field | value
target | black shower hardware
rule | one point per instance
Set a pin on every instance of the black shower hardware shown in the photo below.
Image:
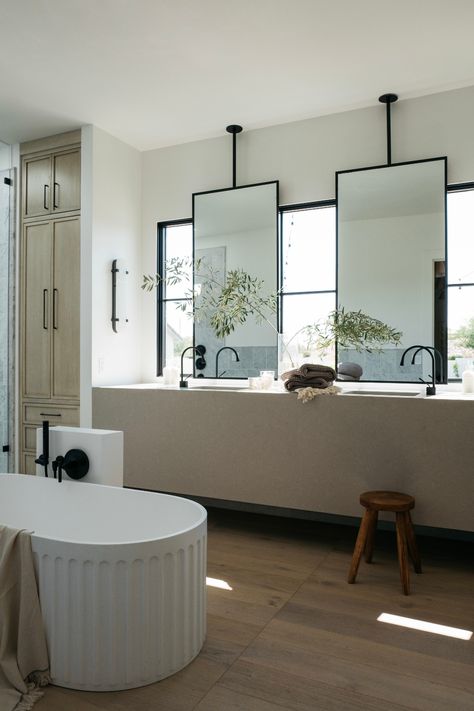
(43, 459)
(75, 463)
(196, 349)
(234, 129)
(200, 362)
(430, 389)
(114, 318)
(225, 348)
(388, 100)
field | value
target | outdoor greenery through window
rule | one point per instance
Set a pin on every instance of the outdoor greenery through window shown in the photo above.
(307, 288)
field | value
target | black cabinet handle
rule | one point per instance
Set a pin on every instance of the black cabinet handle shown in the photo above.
(55, 204)
(50, 414)
(45, 205)
(45, 323)
(55, 309)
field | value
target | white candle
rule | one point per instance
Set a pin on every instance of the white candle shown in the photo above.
(267, 377)
(468, 381)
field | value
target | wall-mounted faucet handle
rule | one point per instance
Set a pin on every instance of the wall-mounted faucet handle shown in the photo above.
(75, 463)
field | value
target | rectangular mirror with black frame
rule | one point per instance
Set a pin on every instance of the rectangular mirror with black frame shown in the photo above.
(391, 262)
(236, 228)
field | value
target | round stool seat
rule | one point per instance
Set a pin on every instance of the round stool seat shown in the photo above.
(387, 501)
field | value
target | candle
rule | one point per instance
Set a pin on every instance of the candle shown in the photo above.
(267, 377)
(468, 381)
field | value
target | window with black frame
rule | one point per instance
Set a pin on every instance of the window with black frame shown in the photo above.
(175, 325)
(460, 279)
(308, 280)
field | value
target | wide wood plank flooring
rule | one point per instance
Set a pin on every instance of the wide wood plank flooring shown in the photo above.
(292, 634)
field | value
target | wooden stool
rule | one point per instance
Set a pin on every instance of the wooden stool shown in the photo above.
(400, 504)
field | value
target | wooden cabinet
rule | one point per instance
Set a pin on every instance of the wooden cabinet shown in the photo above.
(51, 288)
(52, 184)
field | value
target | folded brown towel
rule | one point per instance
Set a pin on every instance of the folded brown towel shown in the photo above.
(309, 372)
(296, 382)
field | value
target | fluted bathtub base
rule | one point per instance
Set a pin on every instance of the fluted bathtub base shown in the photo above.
(122, 616)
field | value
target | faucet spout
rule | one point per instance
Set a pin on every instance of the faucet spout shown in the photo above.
(430, 389)
(225, 348)
(199, 350)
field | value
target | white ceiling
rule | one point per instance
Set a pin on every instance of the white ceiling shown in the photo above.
(161, 72)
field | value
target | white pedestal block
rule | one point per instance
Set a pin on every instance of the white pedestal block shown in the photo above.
(103, 447)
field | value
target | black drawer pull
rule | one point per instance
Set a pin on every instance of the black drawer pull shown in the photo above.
(50, 414)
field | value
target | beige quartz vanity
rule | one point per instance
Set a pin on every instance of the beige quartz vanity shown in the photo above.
(268, 448)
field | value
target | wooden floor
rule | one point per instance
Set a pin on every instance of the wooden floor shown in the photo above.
(292, 634)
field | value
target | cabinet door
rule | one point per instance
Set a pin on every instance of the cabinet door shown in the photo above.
(37, 193)
(67, 181)
(37, 310)
(28, 465)
(66, 308)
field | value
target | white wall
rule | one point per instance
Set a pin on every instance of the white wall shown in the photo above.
(5, 156)
(111, 224)
(304, 156)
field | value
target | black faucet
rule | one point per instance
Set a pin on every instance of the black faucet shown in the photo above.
(440, 368)
(196, 349)
(43, 458)
(225, 348)
(75, 463)
(430, 389)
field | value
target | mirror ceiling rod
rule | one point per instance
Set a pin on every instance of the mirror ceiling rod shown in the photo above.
(388, 99)
(234, 129)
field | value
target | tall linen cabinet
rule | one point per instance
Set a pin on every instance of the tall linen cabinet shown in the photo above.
(49, 288)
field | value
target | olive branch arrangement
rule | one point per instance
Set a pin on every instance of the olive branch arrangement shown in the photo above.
(227, 302)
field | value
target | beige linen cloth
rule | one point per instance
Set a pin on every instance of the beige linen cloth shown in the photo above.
(24, 664)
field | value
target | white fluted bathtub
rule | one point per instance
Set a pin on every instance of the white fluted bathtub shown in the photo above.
(121, 576)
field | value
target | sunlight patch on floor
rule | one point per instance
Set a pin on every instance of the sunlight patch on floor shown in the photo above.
(425, 626)
(216, 583)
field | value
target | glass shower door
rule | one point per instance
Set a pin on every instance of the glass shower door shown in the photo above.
(5, 325)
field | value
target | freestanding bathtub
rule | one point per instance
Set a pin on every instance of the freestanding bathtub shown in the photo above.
(121, 576)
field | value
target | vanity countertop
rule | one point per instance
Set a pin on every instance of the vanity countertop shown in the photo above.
(407, 391)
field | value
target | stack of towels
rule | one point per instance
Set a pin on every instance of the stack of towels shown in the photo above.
(309, 376)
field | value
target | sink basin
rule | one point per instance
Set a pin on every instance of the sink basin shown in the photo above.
(385, 393)
(225, 388)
